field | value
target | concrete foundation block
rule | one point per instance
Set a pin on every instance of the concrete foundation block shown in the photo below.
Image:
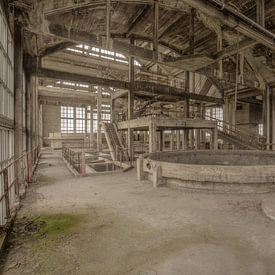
(140, 170)
(157, 176)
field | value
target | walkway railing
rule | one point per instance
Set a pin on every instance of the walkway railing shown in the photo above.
(75, 159)
(13, 174)
(245, 136)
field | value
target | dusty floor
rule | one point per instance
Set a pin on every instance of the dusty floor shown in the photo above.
(116, 225)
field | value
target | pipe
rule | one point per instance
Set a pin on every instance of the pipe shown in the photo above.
(240, 17)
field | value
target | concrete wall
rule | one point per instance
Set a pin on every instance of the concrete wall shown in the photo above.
(51, 121)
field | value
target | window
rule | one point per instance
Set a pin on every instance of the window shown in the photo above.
(215, 113)
(67, 119)
(73, 120)
(6, 69)
(80, 120)
(70, 85)
(101, 53)
(261, 129)
(6, 89)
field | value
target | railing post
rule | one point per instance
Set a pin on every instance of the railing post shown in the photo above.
(82, 163)
(6, 192)
(29, 165)
(116, 157)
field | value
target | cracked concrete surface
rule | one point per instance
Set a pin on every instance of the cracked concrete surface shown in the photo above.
(128, 227)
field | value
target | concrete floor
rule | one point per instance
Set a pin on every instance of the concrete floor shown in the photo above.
(126, 227)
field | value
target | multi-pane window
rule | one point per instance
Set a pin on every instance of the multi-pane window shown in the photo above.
(6, 69)
(71, 85)
(215, 113)
(80, 120)
(6, 87)
(100, 53)
(95, 122)
(89, 120)
(105, 117)
(67, 119)
(73, 118)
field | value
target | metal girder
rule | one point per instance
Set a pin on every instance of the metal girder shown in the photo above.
(230, 17)
(64, 94)
(149, 87)
(214, 8)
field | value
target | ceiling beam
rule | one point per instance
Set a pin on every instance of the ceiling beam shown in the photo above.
(53, 49)
(213, 8)
(149, 87)
(75, 36)
(138, 18)
(231, 50)
(227, 15)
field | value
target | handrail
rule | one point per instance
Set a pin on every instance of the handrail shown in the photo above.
(13, 174)
(245, 136)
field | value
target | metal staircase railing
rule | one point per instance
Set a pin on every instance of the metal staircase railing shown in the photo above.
(118, 152)
(245, 138)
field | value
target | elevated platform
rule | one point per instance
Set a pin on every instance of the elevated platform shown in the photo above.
(154, 124)
(165, 123)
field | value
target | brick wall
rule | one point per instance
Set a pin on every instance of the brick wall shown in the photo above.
(51, 121)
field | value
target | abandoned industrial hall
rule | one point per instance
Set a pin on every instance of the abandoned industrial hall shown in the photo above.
(137, 137)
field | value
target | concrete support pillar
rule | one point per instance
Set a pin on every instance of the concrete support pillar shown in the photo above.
(197, 139)
(184, 144)
(99, 112)
(178, 139)
(192, 138)
(161, 140)
(219, 48)
(152, 138)
(172, 140)
(130, 111)
(215, 138)
(145, 136)
(82, 163)
(18, 99)
(32, 113)
(266, 116)
(232, 113)
(91, 126)
(74, 119)
(113, 110)
(226, 112)
(40, 125)
(273, 118)
(156, 27)
(186, 109)
(140, 170)
(28, 113)
(108, 23)
(86, 124)
(37, 115)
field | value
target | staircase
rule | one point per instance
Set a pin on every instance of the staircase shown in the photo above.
(117, 151)
(242, 139)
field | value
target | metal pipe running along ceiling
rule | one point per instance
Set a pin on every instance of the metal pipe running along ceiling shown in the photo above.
(253, 29)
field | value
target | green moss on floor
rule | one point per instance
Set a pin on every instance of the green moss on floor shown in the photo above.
(49, 233)
(52, 225)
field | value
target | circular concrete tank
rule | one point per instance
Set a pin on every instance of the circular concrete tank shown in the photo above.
(222, 170)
